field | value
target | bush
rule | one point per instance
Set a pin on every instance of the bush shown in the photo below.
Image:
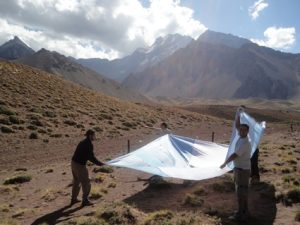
(86, 220)
(70, 122)
(31, 127)
(95, 193)
(105, 116)
(297, 217)
(6, 130)
(49, 114)
(159, 217)
(9, 222)
(98, 129)
(99, 178)
(128, 124)
(37, 123)
(56, 135)
(6, 111)
(294, 195)
(5, 121)
(14, 120)
(103, 169)
(33, 135)
(193, 200)
(17, 179)
(112, 185)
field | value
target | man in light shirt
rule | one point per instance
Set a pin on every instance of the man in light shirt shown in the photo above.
(241, 160)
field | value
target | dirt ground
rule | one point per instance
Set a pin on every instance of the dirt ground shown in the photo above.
(45, 199)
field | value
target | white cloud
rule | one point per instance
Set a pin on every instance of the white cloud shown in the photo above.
(95, 28)
(278, 38)
(256, 8)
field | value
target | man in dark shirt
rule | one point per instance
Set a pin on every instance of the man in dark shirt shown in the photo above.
(255, 178)
(82, 154)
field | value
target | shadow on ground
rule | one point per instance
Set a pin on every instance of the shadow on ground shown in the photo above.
(60, 215)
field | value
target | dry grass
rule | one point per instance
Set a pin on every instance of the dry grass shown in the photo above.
(18, 179)
(71, 107)
(7, 221)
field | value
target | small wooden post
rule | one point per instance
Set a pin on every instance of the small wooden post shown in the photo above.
(128, 146)
(213, 137)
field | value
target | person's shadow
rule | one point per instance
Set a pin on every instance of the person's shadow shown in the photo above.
(57, 216)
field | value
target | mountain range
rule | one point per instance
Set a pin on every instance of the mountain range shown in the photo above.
(55, 63)
(219, 65)
(216, 65)
(140, 59)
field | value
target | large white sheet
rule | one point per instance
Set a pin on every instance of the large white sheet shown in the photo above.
(185, 158)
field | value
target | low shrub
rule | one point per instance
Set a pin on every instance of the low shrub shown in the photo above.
(37, 123)
(103, 169)
(5, 121)
(294, 195)
(56, 135)
(159, 217)
(6, 130)
(6, 111)
(18, 179)
(70, 122)
(95, 193)
(193, 200)
(49, 114)
(33, 135)
(15, 120)
(32, 127)
(297, 217)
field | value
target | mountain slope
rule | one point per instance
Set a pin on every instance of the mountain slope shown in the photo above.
(140, 59)
(230, 68)
(35, 101)
(14, 49)
(60, 65)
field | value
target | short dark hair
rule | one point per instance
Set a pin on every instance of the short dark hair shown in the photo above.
(163, 124)
(89, 132)
(245, 125)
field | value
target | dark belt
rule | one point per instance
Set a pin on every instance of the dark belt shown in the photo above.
(236, 168)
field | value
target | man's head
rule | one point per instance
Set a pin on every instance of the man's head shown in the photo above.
(243, 131)
(163, 126)
(90, 134)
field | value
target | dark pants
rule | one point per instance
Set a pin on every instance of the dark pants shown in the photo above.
(254, 165)
(80, 177)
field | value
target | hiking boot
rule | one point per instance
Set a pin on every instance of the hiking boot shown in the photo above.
(74, 201)
(86, 203)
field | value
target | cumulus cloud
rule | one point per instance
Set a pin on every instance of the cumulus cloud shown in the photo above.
(91, 28)
(279, 38)
(257, 7)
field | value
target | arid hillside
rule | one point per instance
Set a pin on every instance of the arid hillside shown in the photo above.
(43, 117)
(41, 108)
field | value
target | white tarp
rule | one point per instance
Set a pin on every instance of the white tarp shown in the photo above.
(183, 157)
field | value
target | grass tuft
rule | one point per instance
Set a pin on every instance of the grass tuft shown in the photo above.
(18, 179)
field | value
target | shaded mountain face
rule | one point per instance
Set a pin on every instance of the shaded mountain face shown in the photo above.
(221, 66)
(140, 59)
(14, 49)
(55, 63)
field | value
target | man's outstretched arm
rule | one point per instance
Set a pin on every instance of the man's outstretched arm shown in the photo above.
(230, 158)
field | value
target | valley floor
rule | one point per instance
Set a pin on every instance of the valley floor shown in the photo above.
(120, 199)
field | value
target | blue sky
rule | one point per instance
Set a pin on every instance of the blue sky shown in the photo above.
(115, 28)
(232, 16)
